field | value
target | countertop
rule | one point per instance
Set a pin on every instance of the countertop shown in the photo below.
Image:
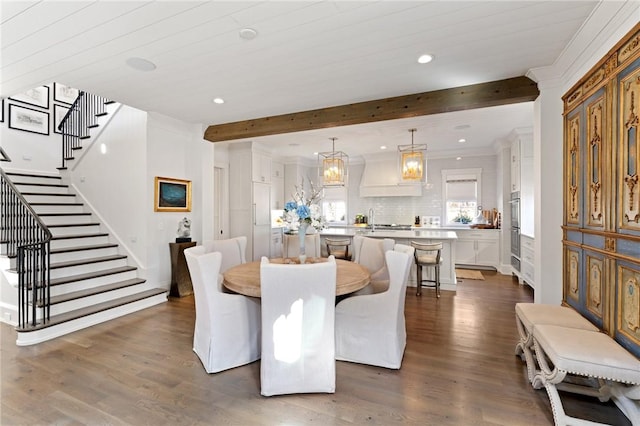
(429, 234)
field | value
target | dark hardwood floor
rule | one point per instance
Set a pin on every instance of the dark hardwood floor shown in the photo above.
(459, 369)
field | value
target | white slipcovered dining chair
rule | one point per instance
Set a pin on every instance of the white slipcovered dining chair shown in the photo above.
(233, 251)
(291, 245)
(227, 328)
(369, 252)
(298, 346)
(371, 329)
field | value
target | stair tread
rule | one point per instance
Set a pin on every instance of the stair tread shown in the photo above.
(56, 204)
(89, 275)
(64, 214)
(48, 194)
(52, 185)
(33, 175)
(83, 248)
(71, 225)
(94, 309)
(89, 261)
(69, 237)
(94, 290)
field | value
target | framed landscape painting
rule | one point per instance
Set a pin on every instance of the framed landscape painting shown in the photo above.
(172, 195)
(37, 97)
(28, 120)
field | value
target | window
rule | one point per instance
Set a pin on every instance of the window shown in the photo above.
(334, 205)
(461, 191)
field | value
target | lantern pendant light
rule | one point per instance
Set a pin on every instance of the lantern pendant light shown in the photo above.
(333, 166)
(412, 161)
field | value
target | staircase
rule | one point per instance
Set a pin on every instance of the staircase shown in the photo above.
(89, 280)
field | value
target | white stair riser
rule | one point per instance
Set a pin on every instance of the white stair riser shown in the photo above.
(49, 333)
(85, 269)
(58, 209)
(61, 220)
(50, 199)
(43, 189)
(57, 290)
(74, 230)
(83, 254)
(61, 308)
(76, 242)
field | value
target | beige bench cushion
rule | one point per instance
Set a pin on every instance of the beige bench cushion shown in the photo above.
(535, 313)
(587, 353)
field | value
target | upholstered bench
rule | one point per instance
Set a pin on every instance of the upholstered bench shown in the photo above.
(613, 372)
(529, 315)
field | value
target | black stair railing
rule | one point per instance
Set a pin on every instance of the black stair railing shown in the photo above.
(26, 237)
(75, 125)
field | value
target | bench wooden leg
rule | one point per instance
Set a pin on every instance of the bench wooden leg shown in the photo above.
(524, 349)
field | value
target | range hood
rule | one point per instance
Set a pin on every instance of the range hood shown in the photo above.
(381, 178)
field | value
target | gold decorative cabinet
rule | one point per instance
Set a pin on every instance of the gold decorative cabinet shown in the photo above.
(601, 237)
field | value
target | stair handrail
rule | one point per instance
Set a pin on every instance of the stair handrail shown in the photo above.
(27, 237)
(76, 123)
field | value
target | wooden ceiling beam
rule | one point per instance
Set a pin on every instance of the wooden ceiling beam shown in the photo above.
(502, 92)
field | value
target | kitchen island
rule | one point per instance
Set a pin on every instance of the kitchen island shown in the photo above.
(446, 237)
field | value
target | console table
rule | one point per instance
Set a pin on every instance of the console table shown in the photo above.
(180, 278)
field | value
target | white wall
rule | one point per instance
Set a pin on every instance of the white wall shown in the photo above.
(402, 210)
(176, 150)
(31, 151)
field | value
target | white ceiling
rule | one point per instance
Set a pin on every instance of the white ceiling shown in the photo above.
(306, 55)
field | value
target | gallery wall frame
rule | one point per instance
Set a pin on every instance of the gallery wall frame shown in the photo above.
(28, 119)
(64, 94)
(172, 195)
(59, 111)
(38, 96)
(1, 110)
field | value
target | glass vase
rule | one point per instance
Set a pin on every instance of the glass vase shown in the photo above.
(302, 232)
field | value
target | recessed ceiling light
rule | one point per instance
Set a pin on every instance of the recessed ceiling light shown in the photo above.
(141, 64)
(218, 100)
(425, 59)
(248, 33)
(462, 140)
(315, 153)
(458, 158)
(383, 147)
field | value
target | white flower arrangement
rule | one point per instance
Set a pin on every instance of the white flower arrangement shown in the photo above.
(303, 209)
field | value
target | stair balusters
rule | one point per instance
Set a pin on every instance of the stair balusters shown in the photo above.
(24, 236)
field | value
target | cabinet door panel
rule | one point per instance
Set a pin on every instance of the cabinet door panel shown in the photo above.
(487, 252)
(465, 252)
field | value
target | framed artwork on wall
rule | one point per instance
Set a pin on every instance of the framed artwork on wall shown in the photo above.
(37, 97)
(172, 195)
(28, 120)
(1, 110)
(59, 111)
(64, 94)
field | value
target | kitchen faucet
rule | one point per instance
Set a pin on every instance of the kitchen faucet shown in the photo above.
(372, 220)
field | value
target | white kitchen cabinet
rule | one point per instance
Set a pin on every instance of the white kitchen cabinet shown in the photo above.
(261, 167)
(249, 201)
(515, 165)
(478, 247)
(277, 186)
(527, 260)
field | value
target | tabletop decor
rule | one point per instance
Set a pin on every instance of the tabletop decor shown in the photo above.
(303, 211)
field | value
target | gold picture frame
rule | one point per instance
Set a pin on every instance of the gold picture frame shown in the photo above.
(172, 195)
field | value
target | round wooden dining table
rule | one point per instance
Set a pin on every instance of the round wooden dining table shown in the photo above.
(245, 278)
